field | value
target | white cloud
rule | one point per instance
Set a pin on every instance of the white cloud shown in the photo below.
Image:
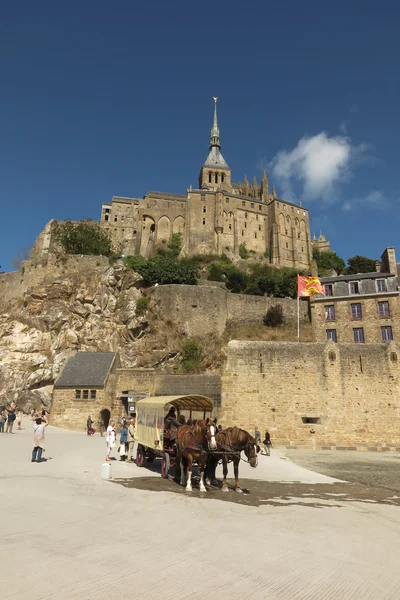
(318, 164)
(375, 200)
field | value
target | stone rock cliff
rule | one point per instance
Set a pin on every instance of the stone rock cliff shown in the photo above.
(69, 312)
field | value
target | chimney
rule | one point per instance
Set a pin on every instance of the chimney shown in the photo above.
(389, 261)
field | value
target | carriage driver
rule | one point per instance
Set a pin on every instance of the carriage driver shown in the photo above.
(170, 419)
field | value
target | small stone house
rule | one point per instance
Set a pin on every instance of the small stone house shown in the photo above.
(86, 386)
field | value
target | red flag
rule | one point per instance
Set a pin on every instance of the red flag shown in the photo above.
(309, 286)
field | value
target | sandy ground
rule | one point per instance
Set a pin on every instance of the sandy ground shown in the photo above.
(296, 534)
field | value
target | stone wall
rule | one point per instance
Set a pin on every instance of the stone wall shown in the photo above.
(69, 413)
(14, 285)
(202, 310)
(314, 395)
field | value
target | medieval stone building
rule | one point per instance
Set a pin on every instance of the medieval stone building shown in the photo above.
(214, 218)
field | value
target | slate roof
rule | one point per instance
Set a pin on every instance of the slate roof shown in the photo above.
(215, 159)
(86, 369)
(356, 277)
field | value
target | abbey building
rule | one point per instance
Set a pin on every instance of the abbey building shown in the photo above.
(215, 217)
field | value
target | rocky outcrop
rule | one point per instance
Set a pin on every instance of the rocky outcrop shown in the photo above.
(69, 312)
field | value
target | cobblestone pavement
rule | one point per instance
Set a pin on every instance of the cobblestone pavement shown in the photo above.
(296, 534)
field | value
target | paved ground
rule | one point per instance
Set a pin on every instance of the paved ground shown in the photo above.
(297, 535)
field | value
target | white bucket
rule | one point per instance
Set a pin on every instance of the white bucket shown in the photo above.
(105, 472)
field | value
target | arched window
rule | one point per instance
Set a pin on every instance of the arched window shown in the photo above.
(209, 177)
(216, 177)
(222, 178)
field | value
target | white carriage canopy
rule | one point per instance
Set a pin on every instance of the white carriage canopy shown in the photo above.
(150, 413)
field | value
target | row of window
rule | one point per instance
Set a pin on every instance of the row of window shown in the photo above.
(356, 311)
(354, 287)
(84, 394)
(292, 207)
(358, 334)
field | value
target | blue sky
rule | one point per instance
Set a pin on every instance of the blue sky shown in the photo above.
(101, 99)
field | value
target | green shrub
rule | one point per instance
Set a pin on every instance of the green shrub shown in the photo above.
(192, 356)
(142, 305)
(243, 252)
(274, 316)
(85, 237)
(215, 272)
(236, 280)
(175, 245)
(164, 269)
(267, 254)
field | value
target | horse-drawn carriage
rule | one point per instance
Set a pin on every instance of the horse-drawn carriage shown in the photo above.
(154, 437)
(201, 444)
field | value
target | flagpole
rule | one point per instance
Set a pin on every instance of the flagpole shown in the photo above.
(298, 317)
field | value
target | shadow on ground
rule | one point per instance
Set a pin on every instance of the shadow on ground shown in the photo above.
(263, 493)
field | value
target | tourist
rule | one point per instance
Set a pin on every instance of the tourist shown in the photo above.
(131, 438)
(19, 420)
(257, 436)
(267, 443)
(89, 428)
(123, 440)
(10, 420)
(101, 425)
(38, 438)
(110, 439)
(3, 418)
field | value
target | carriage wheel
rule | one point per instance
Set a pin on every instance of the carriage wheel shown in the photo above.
(140, 456)
(165, 465)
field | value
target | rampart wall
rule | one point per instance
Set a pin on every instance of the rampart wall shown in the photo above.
(315, 395)
(201, 310)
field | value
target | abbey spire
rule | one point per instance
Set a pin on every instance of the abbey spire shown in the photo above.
(215, 170)
(214, 140)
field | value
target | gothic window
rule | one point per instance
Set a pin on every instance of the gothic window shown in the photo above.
(242, 232)
(245, 225)
(115, 218)
(222, 179)
(204, 221)
(216, 177)
(204, 209)
(230, 226)
(106, 217)
(255, 235)
(259, 208)
(209, 177)
(259, 228)
(298, 235)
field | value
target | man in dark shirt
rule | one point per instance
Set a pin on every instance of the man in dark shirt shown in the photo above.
(10, 421)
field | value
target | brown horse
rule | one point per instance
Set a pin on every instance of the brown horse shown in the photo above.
(234, 440)
(193, 444)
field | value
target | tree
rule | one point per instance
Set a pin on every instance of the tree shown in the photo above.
(192, 356)
(327, 262)
(20, 257)
(243, 252)
(85, 237)
(360, 264)
(164, 269)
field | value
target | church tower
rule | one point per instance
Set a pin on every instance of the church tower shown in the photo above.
(215, 172)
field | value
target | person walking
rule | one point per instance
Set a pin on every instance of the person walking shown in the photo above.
(267, 443)
(89, 429)
(257, 436)
(3, 418)
(110, 439)
(123, 440)
(10, 421)
(101, 425)
(38, 439)
(131, 438)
